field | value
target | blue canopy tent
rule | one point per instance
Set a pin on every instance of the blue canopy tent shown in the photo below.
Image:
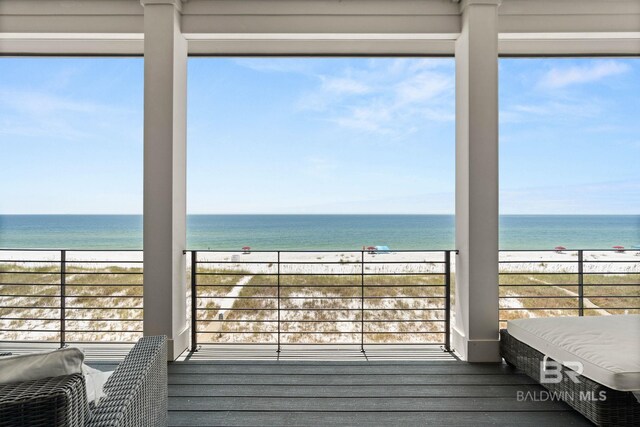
(383, 250)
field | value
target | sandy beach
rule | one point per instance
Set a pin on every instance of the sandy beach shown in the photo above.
(349, 262)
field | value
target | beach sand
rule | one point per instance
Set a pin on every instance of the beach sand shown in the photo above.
(349, 262)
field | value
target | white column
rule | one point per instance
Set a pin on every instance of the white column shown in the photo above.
(165, 89)
(475, 332)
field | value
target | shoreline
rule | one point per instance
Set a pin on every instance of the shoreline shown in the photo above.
(347, 262)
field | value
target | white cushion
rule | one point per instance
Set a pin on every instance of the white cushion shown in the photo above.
(27, 367)
(95, 380)
(607, 346)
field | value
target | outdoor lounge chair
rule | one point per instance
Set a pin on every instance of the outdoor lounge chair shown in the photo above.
(605, 348)
(135, 395)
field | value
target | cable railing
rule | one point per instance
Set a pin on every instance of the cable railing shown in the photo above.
(69, 296)
(367, 297)
(565, 282)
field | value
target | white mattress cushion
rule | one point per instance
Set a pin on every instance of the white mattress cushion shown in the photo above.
(27, 367)
(607, 346)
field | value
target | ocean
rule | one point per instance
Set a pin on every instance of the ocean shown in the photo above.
(304, 232)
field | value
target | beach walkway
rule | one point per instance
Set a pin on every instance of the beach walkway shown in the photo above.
(227, 301)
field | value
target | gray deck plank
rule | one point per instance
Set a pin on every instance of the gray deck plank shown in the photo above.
(451, 368)
(356, 392)
(347, 380)
(371, 404)
(471, 419)
(297, 362)
(283, 391)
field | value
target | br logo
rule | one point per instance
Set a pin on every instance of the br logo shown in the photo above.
(551, 371)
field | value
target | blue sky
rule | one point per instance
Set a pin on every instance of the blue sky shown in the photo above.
(319, 135)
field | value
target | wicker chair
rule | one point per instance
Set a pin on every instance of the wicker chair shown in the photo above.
(620, 408)
(135, 395)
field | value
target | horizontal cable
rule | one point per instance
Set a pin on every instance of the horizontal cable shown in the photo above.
(315, 298)
(69, 319)
(321, 332)
(569, 308)
(320, 321)
(103, 296)
(357, 274)
(353, 262)
(358, 286)
(30, 272)
(543, 296)
(320, 309)
(314, 251)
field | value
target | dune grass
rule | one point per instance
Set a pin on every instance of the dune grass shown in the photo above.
(544, 295)
(398, 308)
(331, 305)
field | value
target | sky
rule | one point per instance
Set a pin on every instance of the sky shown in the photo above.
(319, 135)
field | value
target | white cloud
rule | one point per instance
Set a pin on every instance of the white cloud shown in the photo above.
(532, 109)
(414, 65)
(382, 96)
(42, 114)
(276, 65)
(550, 111)
(332, 90)
(423, 87)
(371, 118)
(438, 115)
(42, 103)
(597, 70)
(344, 85)
(386, 97)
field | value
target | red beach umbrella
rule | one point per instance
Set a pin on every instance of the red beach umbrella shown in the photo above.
(618, 248)
(246, 249)
(371, 249)
(559, 249)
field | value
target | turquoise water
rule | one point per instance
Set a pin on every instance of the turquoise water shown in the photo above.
(317, 231)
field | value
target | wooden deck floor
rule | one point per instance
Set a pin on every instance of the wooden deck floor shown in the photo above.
(253, 386)
(340, 386)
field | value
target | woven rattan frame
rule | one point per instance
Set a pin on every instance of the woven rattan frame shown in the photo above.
(136, 395)
(57, 401)
(137, 392)
(618, 409)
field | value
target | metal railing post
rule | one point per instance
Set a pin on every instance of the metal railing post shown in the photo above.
(63, 292)
(580, 283)
(447, 301)
(278, 277)
(362, 301)
(194, 301)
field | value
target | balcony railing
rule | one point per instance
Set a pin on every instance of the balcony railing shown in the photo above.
(568, 283)
(299, 297)
(70, 295)
(321, 297)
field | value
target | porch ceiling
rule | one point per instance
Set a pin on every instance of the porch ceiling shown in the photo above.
(424, 27)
